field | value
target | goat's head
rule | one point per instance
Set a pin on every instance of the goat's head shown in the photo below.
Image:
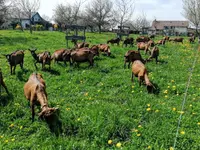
(8, 57)
(47, 112)
(32, 50)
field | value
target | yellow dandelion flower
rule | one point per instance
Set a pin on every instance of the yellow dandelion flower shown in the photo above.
(1, 136)
(198, 123)
(174, 109)
(194, 113)
(149, 147)
(132, 87)
(78, 119)
(134, 130)
(172, 81)
(67, 109)
(132, 91)
(148, 109)
(11, 125)
(171, 148)
(86, 94)
(165, 92)
(190, 105)
(13, 139)
(118, 145)
(156, 110)
(6, 141)
(148, 105)
(168, 86)
(181, 112)
(90, 98)
(110, 142)
(140, 126)
(138, 134)
(182, 132)
(20, 127)
(166, 96)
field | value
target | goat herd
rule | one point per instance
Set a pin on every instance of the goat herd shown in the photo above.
(35, 87)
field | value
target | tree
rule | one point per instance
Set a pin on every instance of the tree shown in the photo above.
(3, 11)
(99, 12)
(27, 8)
(124, 11)
(69, 13)
(191, 11)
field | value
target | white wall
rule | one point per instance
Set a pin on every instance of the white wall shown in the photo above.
(24, 22)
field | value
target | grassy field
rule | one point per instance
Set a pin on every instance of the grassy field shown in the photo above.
(99, 107)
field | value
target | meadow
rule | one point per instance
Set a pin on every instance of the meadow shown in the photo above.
(99, 107)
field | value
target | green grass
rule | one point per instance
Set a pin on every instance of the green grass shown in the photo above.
(101, 103)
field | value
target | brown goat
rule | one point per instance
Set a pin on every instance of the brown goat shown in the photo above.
(82, 56)
(139, 70)
(131, 56)
(2, 83)
(15, 58)
(112, 41)
(128, 41)
(154, 54)
(62, 55)
(166, 38)
(143, 46)
(178, 40)
(105, 49)
(93, 49)
(35, 92)
(151, 43)
(43, 58)
(192, 39)
(161, 42)
(81, 45)
(143, 39)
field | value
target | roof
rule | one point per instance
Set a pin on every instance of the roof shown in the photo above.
(161, 24)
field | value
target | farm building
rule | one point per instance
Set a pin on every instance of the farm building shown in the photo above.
(169, 27)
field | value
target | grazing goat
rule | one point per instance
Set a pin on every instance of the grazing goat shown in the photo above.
(105, 49)
(178, 40)
(143, 46)
(43, 58)
(16, 57)
(112, 41)
(128, 41)
(143, 39)
(154, 54)
(151, 43)
(93, 49)
(166, 38)
(192, 39)
(62, 55)
(139, 70)
(131, 56)
(82, 56)
(81, 45)
(35, 92)
(2, 83)
(161, 42)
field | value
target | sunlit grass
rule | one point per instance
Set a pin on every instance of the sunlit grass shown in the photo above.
(100, 108)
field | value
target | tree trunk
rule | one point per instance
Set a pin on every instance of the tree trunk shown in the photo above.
(197, 33)
(99, 29)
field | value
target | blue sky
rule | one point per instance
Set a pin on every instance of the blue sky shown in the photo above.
(159, 9)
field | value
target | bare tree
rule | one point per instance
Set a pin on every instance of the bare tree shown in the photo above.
(99, 13)
(139, 23)
(3, 11)
(191, 11)
(69, 13)
(124, 11)
(27, 8)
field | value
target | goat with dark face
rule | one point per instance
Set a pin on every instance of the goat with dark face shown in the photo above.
(43, 58)
(15, 58)
(128, 41)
